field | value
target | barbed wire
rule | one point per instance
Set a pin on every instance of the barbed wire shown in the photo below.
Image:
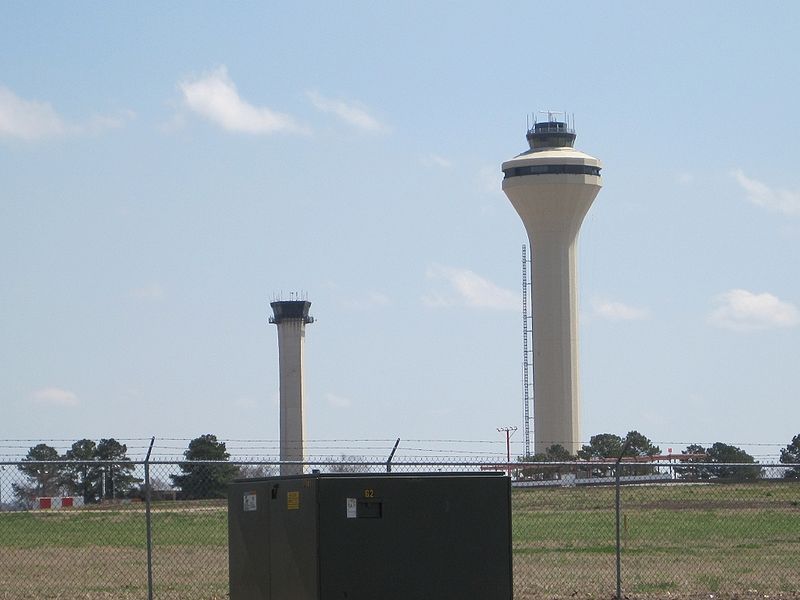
(338, 448)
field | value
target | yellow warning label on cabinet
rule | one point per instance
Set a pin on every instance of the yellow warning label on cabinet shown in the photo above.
(292, 500)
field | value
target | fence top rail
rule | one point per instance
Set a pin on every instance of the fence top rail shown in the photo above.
(28, 463)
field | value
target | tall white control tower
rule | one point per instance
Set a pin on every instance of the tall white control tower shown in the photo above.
(291, 317)
(552, 186)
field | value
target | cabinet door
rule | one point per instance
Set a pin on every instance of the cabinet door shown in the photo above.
(248, 541)
(293, 540)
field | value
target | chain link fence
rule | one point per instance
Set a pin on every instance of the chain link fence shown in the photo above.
(580, 530)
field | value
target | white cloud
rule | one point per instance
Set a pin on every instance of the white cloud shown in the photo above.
(53, 396)
(617, 311)
(28, 119)
(150, 291)
(33, 120)
(351, 113)
(434, 160)
(215, 97)
(684, 178)
(740, 310)
(338, 401)
(467, 288)
(776, 200)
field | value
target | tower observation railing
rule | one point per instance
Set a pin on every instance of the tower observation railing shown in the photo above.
(551, 127)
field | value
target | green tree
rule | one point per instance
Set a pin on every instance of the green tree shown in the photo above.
(609, 445)
(44, 479)
(638, 445)
(205, 480)
(722, 454)
(791, 456)
(692, 472)
(601, 446)
(117, 475)
(557, 453)
(554, 453)
(83, 478)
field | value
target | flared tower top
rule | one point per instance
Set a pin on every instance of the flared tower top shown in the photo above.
(552, 151)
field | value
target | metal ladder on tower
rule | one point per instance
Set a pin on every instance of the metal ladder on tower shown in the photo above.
(526, 363)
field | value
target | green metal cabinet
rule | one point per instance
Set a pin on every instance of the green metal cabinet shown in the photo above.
(371, 537)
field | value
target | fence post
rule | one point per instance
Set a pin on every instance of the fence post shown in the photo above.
(147, 499)
(617, 470)
(391, 456)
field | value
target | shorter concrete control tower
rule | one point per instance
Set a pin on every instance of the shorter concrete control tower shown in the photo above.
(291, 317)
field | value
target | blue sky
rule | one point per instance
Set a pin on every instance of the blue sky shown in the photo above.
(168, 170)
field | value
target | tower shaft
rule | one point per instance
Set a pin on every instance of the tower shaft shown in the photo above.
(556, 414)
(291, 318)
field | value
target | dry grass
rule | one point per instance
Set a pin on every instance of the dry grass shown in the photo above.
(679, 542)
(100, 573)
(200, 573)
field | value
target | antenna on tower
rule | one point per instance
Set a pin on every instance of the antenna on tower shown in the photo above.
(557, 115)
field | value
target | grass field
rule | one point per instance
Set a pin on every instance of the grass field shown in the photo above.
(731, 540)
(679, 541)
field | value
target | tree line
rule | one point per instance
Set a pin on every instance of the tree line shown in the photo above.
(90, 479)
(98, 471)
(634, 444)
(101, 470)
